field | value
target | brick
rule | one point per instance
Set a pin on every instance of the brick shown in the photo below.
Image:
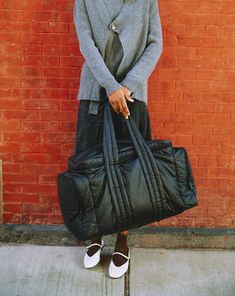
(41, 168)
(58, 115)
(40, 126)
(197, 19)
(11, 168)
(57, 137)
(41, 104)
(69, 72)
(221, 171)
(47, 179)
(226, 161)
(9, 125)
(205, 222)
(9, 37)
(217, 75)
(10, 82)
(40, 82)
(214, 30)
(218, 193)
(40, 188)
(165, 74)
(67, 126)
(223, 129)
(51, 72)
(210, 139)
(12, 187)
(230, 202)
(175, 117)
(12, 207)
(16, 178)
(48, 198)
(21, 114)
(8, 103)
(223, 222)
(224, 86)
(17, 4)
(69, 83)
(49, 5)
(51, 61)
(197, 63)
(224, 107)
(193, 128)
(53, 49)
(39, 148)
(227, 97)
(65, 105)
(71, 61)
(9, 147)
(21, 197)
(22, 137)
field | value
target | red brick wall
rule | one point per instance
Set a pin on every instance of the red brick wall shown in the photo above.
(191, 101)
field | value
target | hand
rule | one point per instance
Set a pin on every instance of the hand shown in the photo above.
(118, 100)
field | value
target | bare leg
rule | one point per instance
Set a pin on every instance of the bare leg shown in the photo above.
(121, 246)
(92, 250)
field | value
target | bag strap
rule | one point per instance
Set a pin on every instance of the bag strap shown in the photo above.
(141, 156)
(121, 202)
(132, 127)
(145, 156)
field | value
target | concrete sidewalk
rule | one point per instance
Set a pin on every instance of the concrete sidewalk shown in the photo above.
(33, 270)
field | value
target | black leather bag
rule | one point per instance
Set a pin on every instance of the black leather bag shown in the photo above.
(125, 184)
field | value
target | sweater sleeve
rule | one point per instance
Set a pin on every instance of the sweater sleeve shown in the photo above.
(149, 58)
(90, 51)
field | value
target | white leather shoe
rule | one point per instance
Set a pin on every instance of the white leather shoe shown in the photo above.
(91, 261)
(118, 271)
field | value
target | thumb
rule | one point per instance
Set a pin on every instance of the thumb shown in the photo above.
(128, 93)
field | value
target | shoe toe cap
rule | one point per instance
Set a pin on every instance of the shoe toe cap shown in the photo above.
(117, 271)
(90, 261)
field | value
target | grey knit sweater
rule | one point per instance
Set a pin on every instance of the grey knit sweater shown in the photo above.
(113, 49)
(121, 46)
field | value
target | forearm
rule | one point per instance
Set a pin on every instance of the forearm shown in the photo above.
(149, 58)
(90, 51)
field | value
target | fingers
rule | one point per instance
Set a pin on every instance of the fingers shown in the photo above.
(128, 94)
(118, 101)
(115, 105)
(128, 97)
(120, 106)
(122, 103)
(125, 110)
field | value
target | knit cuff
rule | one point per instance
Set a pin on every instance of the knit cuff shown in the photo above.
(132, 84)
(112, 87)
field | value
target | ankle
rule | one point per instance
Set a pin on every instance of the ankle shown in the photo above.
(96, 239)
(122, 237)
(121, 243)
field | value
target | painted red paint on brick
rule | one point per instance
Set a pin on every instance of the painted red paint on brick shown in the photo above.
(191, 101)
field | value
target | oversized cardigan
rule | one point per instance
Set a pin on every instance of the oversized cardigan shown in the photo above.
(138, 26)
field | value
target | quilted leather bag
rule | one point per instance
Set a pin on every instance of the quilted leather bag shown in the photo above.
(120, 185)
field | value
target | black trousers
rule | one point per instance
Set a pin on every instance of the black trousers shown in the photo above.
(89, 129)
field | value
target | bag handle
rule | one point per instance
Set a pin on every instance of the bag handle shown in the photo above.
(132, 127)
(144, 153)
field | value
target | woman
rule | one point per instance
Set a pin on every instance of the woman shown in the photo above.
(121, 41)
